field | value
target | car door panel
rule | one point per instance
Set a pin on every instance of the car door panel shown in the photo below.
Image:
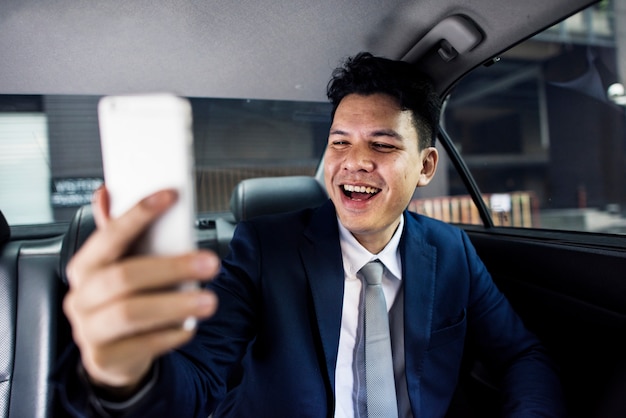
(571, 296)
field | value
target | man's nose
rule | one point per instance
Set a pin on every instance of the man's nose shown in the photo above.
(359, 158)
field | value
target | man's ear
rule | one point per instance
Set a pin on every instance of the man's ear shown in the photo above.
(430, 158)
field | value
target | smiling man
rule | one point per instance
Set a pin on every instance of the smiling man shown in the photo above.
(357, 308)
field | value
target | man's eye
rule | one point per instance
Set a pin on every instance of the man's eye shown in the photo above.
(383, 147)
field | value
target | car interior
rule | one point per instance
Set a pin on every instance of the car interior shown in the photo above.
(568, 285)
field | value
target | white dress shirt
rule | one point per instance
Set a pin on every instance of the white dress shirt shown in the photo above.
(355, 256)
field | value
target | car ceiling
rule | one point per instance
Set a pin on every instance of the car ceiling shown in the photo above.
(237, 49)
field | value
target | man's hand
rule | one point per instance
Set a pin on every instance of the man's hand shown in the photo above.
(127, 311)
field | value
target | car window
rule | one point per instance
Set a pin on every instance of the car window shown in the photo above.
(543, 131)
(446, 197)
(50, 159)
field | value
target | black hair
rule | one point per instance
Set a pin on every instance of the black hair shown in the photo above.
(366, 74)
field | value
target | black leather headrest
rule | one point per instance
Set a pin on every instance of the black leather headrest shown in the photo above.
(80, 228)
(267, 195)
(5, 230)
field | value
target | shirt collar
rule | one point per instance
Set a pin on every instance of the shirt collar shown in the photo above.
(355, 256)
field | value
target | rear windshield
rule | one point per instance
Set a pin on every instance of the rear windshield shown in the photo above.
(50, 158)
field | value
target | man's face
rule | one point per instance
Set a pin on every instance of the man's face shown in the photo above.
(372, 166)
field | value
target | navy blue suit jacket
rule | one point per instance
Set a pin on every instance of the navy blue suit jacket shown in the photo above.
(275, 337)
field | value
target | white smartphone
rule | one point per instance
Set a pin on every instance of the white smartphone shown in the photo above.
(147, 145)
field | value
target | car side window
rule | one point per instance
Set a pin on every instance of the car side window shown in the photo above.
(543, 129)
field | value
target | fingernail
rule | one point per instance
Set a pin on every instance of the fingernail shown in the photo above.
(206, 299)
(205, 264)
(190, 323)
(160, 199)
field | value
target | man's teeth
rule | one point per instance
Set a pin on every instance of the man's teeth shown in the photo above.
(360, 189)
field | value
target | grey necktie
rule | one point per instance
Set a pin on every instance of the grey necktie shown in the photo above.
(379, 379)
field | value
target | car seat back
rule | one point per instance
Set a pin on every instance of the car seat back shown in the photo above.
(31, 324)
(268, 195)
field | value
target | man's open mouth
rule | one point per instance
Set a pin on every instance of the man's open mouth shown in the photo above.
(359, 192)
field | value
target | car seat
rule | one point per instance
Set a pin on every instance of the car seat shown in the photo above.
(268, 195)
(32, 325)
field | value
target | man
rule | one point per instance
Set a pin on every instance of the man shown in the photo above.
(287, 337)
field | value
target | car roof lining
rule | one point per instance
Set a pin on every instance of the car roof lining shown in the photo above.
(245, 49)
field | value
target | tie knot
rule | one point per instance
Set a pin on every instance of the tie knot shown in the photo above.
(373, 272)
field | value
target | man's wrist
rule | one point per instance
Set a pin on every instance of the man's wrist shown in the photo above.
(118, 400)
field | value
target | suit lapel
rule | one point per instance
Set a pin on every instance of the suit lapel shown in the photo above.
(321, 256)
(418, 271)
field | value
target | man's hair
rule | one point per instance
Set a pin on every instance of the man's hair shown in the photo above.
(366, 74)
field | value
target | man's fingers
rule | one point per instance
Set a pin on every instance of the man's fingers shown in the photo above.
(145, 313)
(100, 207)
(145, 274)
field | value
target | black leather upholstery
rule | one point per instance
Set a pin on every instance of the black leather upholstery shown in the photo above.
(32, 326)
(42, 332)
(5, 231)
(8, 312)
(81, 227)
(267, 195)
